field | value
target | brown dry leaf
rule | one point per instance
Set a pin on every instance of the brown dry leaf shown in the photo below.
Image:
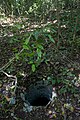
(7, 98)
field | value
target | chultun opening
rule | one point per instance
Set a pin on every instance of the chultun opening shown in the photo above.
(40, 101)
(39, 95)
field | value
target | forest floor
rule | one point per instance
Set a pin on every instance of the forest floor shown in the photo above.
(65, 107)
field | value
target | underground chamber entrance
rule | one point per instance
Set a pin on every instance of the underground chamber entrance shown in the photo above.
(38, 95)
(40, 101)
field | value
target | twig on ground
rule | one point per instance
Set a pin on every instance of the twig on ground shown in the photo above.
(14, 78)
(10, 61)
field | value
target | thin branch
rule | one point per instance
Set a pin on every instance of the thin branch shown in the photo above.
(64, 114)
(10, 61)
(14, 78)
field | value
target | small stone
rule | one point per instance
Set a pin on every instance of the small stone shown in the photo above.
(50, 112)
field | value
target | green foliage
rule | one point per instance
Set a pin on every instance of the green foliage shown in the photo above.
(33, 45)
(13, 40)
(33, 67)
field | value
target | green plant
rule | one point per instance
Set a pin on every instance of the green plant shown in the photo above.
(33, 45)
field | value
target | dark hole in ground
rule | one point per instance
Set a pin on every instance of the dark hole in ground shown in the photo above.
(40, 101)
(39, 94)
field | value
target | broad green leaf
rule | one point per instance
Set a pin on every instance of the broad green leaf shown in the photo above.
(51, 39)
(18, 26)
(25, 47)
(33, 67)
(40, 46)
(26, 41)
(53, 30)
(17, 56)
(30, 62)
(39, 52)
